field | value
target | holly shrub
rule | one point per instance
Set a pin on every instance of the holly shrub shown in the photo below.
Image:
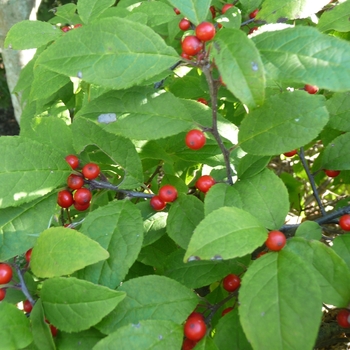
(110, 87)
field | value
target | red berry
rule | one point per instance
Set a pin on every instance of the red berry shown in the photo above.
(195, 139)
(27, 306)
(75, 181)
(226, 7)
(157, 203)
(73, 161)
(184, 24)
(188, 344)
(65, 29)
(343, 318)
(28, 255)
(251, 30)
(203, 100)
(226, 311)
(167, 193)
(195, 328)
(231, 282)
(331, 173)
(91, 171)
(276, 240)
(177, 11)
(291, 153)
(253, 14)
(191, 45)
(77, 25)
(65, 199)
(82, 196)
(53, 330)
(184, 55)
(196, 315)
(81, 207)
(205, 31)
(344, 222)
(2, 293)
(204, 183)
(213, 11)
(261, 254)
(311, 89)
(5, 273)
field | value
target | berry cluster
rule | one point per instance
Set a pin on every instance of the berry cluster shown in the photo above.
(5, 277)
(166, 194)
(195, 329)
(77, 195)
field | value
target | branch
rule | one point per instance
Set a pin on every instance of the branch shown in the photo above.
(23, 285)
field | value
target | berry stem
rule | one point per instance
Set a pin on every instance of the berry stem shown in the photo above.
(24, 288)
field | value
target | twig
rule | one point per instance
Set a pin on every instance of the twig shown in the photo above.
(23, 285)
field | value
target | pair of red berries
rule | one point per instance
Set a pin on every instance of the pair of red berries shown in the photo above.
(195, 329)
(5, 277)
(166, 194)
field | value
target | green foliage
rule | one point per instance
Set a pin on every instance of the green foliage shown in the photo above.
(112, 89)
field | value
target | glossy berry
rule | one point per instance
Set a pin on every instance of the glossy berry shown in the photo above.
(65, 29)
(204, 183)
(177, 11)
(344, 222)
(27, 306)
(231, 282)
(291, 153)
(2, 293)
(82, 196)
(261, 254)
(226, 7)
(81, 207)
(184, 24)
(157, 203)
(28, 255)
(184, 55)
(253, 14)
(75, 181)
(203, 100)
(195, 328)
(343, 318)
(213, 11)
(167, 193)
(188, 344)
(205, 31)
(311, 89)
(5, 273)
(276, 240)
(53, 330)
(65, 199)
(226, 311)
(195, 139)
(91, 171)
(73, 161)
(191, 45)
(331, 173)
(252, 30)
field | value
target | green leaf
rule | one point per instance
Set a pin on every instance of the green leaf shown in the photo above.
(303, 118)
(250, 5)
(250, 165)
(272, 303)
(309, 230)
(144, 335)
(14, 327)
(194, 10)
(29, 169)
(225, 233)
(331, 272)
(83, 340)
(335, 156)
(134, 51)
(89, 10)
(168, 301)
(118, 228)
(265, 197)
(277, 10)
(20, 226)
(40, 34)
(222, 195)
(139, 113)
(291, 55)
(40, 329)
(119, 149)
(184, 215)
(231, 19)
(65, 14)
(339, 107)
(157, 12)
(61, 251)
(197, 274)
(341, 245)
(74, 305)
(229, 333)
(240, 66)
(336, 18)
